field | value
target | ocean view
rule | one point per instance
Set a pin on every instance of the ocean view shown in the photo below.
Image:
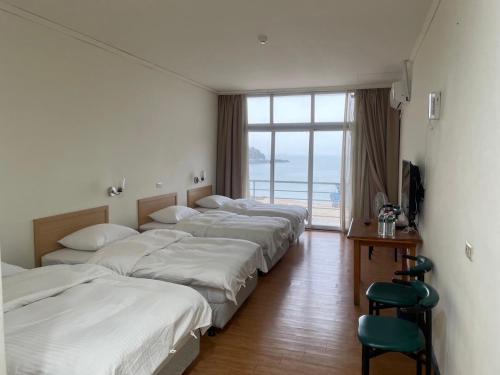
(293, 168)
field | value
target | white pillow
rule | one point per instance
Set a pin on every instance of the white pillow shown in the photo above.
(96, 236)
(173, 214)
(10, 269)
(213, 201)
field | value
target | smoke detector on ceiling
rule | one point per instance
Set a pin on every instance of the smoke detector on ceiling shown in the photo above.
(262, 38)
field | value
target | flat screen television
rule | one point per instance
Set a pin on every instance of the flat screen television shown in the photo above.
(412, 192)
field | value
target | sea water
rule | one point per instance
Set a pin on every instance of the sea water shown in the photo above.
(294, 169)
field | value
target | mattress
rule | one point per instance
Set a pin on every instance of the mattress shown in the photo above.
(223, 312)
(176, 363)
(271, 262)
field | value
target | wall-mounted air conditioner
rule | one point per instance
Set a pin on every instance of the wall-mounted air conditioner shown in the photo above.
(400, 90)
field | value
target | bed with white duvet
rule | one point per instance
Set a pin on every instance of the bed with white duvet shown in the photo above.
(85, 319)
(273, 234)
(203, 200)
(223, 271)
(297, 215)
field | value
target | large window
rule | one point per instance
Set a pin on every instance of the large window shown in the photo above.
(296, 147)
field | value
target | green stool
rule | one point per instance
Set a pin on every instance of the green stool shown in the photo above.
(398, 293)
(379, 334)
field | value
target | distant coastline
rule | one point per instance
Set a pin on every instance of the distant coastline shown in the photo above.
(255, 156)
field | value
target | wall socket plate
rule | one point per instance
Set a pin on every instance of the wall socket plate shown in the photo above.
(468, 250)
(159, 185)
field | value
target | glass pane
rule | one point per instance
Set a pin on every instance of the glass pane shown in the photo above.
(291, 168)
(292, 109)
(329, 107)
(258, 109)
(259, 166)
(326, 178)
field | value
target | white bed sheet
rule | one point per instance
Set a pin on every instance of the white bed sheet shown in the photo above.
(180, 258)
(204, 209)
(156, 225)
(296, 214)
(66, 256)
(268, 232)
(69, 257)
(84, 320)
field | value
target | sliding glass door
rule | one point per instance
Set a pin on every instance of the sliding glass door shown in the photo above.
(291, 168)
(296, 153)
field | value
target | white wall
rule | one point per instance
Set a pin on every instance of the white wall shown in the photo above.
(3, 369)
(75, 118)
(460, 155)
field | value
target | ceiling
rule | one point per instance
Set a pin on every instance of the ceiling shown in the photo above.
(312, 43)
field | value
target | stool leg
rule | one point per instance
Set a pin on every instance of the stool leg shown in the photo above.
(428, 343)
(365, 365)
(370, 252)
(396, 255)
(419, 364)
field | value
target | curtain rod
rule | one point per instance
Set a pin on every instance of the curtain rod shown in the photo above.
(384, 84)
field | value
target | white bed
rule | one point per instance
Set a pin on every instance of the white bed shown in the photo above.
(85, 319)
(271, 233)
(297, 215)
(231, 264)
(221, 270)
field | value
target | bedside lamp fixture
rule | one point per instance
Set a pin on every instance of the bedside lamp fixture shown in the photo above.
(113, 191)
(201, 178)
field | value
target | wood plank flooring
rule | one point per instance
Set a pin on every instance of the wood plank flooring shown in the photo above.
(301, 319)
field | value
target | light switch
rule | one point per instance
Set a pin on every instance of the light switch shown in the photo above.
(159, 185)
(468, 250)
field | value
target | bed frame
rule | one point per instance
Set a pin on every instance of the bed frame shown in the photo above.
(197, 193)
(147, 206)
(49, 230)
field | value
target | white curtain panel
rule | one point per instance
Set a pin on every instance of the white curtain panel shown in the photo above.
(347, 154)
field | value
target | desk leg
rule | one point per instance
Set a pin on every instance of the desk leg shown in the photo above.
(357, 271)
(404, 263)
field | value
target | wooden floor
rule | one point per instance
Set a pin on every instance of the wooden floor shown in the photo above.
(301, 318)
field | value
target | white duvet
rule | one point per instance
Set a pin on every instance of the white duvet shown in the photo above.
(85, 319)
(177, 257)
(271, 233)
(296, 214)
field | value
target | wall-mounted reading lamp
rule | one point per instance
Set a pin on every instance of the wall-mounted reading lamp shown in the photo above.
(116, 190)
(198, 179)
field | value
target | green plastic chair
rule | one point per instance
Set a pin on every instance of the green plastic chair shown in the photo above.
(381, 334)
(398, 293)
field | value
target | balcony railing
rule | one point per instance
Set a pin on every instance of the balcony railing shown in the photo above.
(260, 190)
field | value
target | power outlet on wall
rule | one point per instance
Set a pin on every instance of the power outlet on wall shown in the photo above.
(468, 250)
(159, 185)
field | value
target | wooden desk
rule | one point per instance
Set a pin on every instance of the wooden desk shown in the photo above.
(367, 235)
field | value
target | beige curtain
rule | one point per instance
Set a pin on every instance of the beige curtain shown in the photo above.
(375, 156)
(231, 146)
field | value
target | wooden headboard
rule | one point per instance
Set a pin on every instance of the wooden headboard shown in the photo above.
(147, 206)
(49, 230)
(194, 194)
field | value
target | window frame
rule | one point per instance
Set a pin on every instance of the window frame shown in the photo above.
(297, 126)
(312, 127)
